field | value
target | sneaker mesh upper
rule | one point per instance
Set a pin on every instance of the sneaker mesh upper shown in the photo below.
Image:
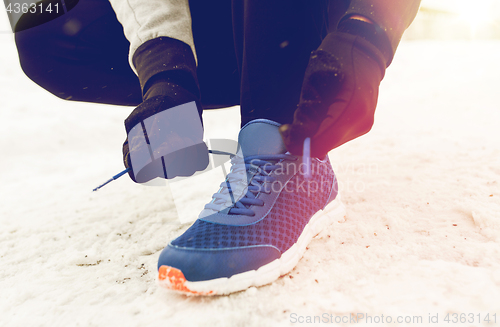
(296, 204)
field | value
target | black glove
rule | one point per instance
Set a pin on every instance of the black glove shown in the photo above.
(165, 133)
(339, 93)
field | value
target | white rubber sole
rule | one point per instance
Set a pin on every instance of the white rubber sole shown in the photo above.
(173, 279)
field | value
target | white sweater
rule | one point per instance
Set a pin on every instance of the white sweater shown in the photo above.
(146, 20)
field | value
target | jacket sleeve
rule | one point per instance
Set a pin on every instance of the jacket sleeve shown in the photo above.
(144, 20)
(392, 16)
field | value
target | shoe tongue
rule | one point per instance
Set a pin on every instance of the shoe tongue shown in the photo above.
(258, 137)
(261, 137)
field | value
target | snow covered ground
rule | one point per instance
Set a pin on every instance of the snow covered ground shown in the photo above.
(422, 189)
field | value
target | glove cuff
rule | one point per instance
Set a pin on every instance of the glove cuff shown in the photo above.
(166, 60)
(370, 32)
(333, 40)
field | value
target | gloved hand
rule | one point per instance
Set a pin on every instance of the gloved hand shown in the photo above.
(165, 132)
(165, 139)
(339, 94)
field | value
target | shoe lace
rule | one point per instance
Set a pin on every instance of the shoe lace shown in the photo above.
(247, 178)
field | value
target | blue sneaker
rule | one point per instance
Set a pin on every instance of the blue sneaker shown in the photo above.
(257, 226)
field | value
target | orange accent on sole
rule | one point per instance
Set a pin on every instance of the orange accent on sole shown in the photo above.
(172, 278)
